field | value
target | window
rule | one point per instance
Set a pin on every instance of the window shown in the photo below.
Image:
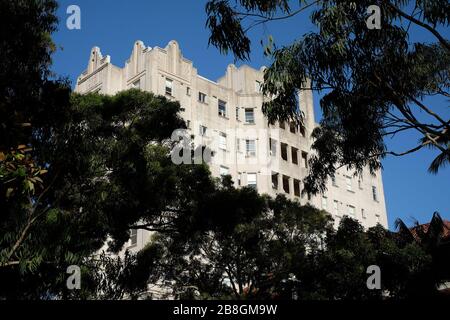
(136, 84)
(302, 131)
(238, 144)
(284, 148)
(222, 105)
(222, 141)
(282, 125)
(348, 183)
(258, 86)
(223, 171)
(377, 218)
(201, 97)
(249, 115)
(133, 237)
(251, 180)
(239, 178)
(188, 91)
(286, 184)
(273, 147)
(360, 183)
(333, 181)
(202, 130)
(297, 188)
(351, 211)
(374, 193)
(292, 127)
(275, 180)
(169, 84)
(250, 148)
(363, 214)
(237, 113)
(188, 124)
(324, 203)
(304, 159)
(294, 152)
(335, 207)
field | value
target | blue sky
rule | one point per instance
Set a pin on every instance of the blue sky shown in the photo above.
(114, 26)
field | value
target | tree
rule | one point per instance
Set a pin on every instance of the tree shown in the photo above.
(26, 56)
(117, 277)
(249, 255)
(288, 251)
(27, 95)
(434, 240)
(109, 170)
(376, 83)
(77, 171)
(341, 270)
(28, 101)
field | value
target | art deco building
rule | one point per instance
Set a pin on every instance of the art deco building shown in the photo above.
(226, 116)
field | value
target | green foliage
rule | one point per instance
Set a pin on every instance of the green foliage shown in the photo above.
(121, 277)
(432, 239)
(29, 102)
(248, 256)
(226, 25)
(25, 52)
(375, 82)
(289, 251)
(108, 169)
(77, 171)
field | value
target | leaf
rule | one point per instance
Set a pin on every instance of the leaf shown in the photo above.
(30, 186)
(21, 172)
(52, 216)
(9, 191)
(38, 179)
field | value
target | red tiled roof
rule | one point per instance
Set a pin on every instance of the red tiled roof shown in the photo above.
(424, 227)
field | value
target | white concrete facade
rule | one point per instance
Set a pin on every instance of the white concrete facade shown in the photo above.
(226, 116)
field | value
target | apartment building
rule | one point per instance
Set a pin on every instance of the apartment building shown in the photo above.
(226, 116)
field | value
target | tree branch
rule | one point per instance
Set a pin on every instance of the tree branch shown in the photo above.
(441, 39)
(267, 19)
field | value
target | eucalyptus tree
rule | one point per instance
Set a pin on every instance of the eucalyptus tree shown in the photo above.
(376, 82)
